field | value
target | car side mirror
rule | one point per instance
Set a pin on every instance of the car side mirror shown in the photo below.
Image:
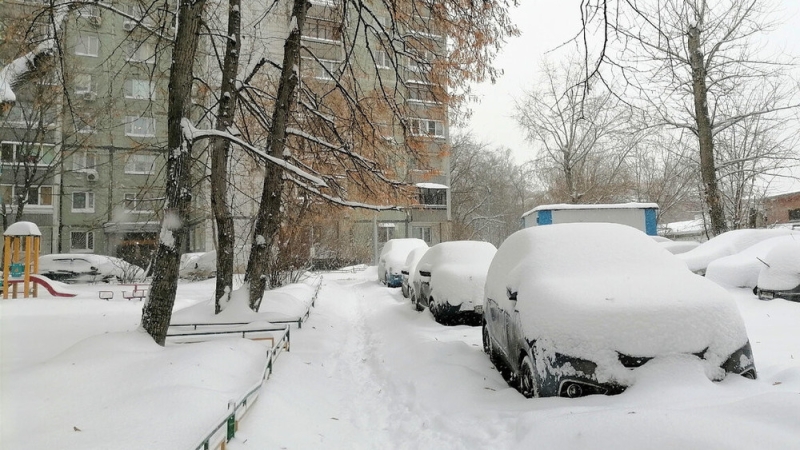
(512, 295)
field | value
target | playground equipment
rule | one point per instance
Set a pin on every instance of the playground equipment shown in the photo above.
(25, 238)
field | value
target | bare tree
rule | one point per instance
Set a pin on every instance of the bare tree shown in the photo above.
(684, 60)
(582, 141)
(488, 191)
(157, 311)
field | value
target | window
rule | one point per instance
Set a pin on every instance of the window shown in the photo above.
(29, 115)
(385, 231)
(418, 92)
(83, 83)
(140, 164)
(432, 197)
(319, 28)
(84, 125)
(89, 11)
(138, 12)
(81, 240)
(794, 214)
(137, 203)
(427, 127)
(423, 233)
(323, 69)
(382, 60)
(83, 202)
(141, 52)
(140, 89)
(27, 152)
(87, 46)
(421, 62)
(35, 196)
(82, 161)
(140, 126)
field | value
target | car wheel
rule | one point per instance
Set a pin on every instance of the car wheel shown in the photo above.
(433, 309)
(386, 278)
(417, 305)
(527, 379)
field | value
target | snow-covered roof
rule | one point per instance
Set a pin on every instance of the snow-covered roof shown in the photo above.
(431, 186)
(22, 229)
(631, 205)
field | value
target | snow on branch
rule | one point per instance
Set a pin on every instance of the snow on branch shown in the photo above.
(191, 133)
(339, 200)
(312, 138)
(13, 73)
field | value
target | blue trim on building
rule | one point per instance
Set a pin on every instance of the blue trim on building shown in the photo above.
(650, 224)
(544, 217)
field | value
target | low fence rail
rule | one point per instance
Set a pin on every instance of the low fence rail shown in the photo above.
(226, 428)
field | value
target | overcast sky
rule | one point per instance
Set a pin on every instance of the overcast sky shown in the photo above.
(545, 24)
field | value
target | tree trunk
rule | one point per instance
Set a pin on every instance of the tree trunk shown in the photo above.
(708, 169)
(220, 153)
(268, 218)
(157, 311)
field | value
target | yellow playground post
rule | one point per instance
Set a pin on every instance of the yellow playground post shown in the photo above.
(20, 257)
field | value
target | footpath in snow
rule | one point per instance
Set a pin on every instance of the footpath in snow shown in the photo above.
(368, 372)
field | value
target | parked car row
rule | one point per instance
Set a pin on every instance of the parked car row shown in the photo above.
(573, 309)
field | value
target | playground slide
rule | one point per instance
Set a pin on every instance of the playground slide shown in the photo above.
(53, 287)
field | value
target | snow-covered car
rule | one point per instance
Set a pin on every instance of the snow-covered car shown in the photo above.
(393, 257)
(726, 244)
(198, 266)
(88, 268)
(742, 269)
(410, 268)
(450, 278)
(574, 309)
(675, 247)
(780, 276)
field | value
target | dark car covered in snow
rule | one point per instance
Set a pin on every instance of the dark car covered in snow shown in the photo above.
(575, 309)
(450, 281)
(780, 276)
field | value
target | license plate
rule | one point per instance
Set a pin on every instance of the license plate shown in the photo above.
(767, 295)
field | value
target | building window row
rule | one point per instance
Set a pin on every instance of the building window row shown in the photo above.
(427, 127)
(322, 28)
(33, 196)
(26, 152)
(432, 197)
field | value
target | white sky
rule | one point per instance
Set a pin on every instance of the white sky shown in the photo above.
(545, 24)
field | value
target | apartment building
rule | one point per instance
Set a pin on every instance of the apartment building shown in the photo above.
(84, 146)
(329, 39)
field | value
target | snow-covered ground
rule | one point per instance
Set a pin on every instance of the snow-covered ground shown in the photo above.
(364, 372)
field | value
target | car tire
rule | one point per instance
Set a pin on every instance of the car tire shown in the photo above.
(432, 309)
(417, 305)
(487, 341)
(527, 379)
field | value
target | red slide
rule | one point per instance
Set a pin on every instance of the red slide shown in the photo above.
(44, 282)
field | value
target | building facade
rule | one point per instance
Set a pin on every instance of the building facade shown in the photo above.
(95, 184)
(335, 53)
